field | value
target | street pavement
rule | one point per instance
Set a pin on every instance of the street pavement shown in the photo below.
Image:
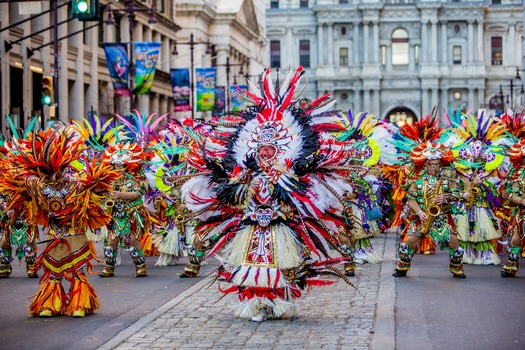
(426, 310)
(331, 317)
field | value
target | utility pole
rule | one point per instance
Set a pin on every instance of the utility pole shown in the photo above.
(55, 53)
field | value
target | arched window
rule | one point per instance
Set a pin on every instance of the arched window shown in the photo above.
(399, 47)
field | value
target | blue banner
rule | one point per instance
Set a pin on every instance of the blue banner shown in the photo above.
(205, 83)
(180, 84)
(118, 65)
(146, 56)
(237, 103)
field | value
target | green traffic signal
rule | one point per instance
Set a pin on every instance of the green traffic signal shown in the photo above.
(46, 100)
(81, 6)
(86, 10)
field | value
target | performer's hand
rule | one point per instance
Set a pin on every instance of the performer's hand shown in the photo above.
(466, 195)
(422, 216)
(477, 181)
(522, 202)
(439, 199)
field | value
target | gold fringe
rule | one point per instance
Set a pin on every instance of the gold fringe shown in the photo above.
(82, 296)
(51, 296)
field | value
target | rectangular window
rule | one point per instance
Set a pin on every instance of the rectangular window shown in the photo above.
(274, 4)
(496, 2)
(303, 4)
(343, 57)
(456, 55)
(304, 53)
(275, 53)
(497, 50)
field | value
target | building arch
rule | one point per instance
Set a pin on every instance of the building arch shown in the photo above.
(401, 115)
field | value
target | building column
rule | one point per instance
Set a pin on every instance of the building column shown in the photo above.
(444, 43)
(222, 52)
(330, 44)
(411, 57)
(480, 42)
(424, 42)
(366, 43)
(63, 81)
(293, 52)
(165, 54)
(443, 104)
(356, 50)
(366, 98)
(375, 49)
(424, 101)
(320, 42)
(434, 41)
(470, 94)
(470, 40)
(389, 57)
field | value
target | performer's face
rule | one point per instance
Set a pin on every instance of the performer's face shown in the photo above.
(266, 153)
(433, 166)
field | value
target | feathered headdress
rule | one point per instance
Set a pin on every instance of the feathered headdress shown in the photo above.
(431, 151)
(98, 132)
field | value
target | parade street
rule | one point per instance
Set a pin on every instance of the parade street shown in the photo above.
(426, 310)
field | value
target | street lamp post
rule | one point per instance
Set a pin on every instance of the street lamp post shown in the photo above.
(130, 10)
(228, 66)
(192, 44)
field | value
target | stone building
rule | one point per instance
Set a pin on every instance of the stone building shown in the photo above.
(398, 59)
(234, 30)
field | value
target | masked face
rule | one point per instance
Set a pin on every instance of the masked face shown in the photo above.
(268, 134)
(264, 216)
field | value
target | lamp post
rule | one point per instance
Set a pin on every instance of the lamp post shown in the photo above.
(192, 44)
(130, 10)
(228, 66)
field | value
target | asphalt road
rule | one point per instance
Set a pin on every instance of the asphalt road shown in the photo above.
(124, 299)
(436, 311)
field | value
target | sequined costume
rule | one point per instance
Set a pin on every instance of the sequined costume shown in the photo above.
(65, 191)
(432, 200)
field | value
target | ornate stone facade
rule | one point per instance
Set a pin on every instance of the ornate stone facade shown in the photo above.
(446, 50)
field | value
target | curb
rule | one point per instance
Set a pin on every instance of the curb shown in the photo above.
(384, 326)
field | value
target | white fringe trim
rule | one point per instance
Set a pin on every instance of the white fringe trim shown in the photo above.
(484, 229)
(280, 308)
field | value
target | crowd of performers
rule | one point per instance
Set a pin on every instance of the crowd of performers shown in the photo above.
(286, 198)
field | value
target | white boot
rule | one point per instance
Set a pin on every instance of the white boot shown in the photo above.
(261, 316)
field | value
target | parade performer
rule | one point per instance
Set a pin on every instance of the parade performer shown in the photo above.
(130, 218)
(371, 145)
(65, 192)
(15, 230)
(165, 171)
(273, 201)
(432, 200)
(479, 152)
(515, 196)
(402, 173)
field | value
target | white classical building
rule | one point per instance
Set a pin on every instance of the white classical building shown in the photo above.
(233, 29)
(398, 59)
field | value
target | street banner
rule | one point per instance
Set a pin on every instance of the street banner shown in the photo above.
(118, 65)
(237, 102)
(205, 83)
(220, 101)
(146, 55)
(180, 84)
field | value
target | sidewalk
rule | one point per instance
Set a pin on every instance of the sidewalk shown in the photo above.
(330, 317)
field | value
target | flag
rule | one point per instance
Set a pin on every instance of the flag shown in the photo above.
(205, 83)
(237, 102)
(146, 56)
(118, 65)
(180, 83)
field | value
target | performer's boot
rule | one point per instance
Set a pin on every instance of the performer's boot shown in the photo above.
(139, 261)
(193, 268)
(82, 297)
(5, 263)
(513, 265)
(456, 262)
(349, 266)
(111, 260)
(30, 263)
(50, 299)
(405, 260)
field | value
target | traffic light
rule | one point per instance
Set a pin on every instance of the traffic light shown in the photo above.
(47, 90)
(86, 10)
